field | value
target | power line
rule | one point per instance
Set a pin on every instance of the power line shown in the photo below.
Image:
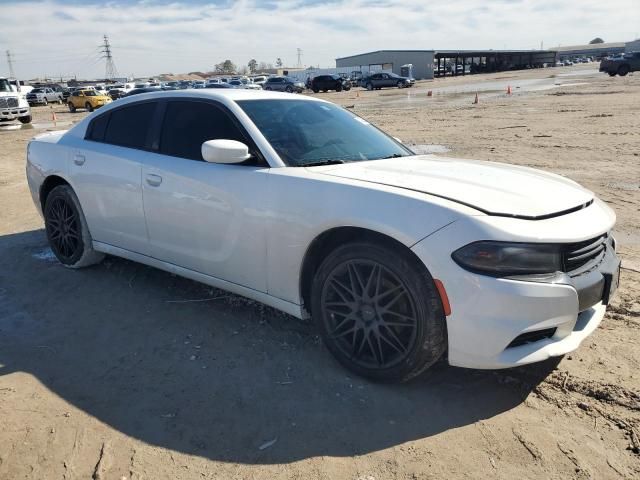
(110, 72)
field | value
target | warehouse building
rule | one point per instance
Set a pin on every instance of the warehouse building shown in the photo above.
(430, 63)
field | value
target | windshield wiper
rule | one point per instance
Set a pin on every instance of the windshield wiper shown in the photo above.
(322, 162)
(395, 155)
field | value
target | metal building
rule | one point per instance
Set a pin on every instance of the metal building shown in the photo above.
(422, 61)
(596, 50)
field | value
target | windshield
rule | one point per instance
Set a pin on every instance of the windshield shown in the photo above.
(90, 93)
(305, 132)
(36, 90)
(5, 86)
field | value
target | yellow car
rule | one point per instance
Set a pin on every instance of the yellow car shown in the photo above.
(88, 99)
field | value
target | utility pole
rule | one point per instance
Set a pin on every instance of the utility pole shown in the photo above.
(299, 58)
(110, 72)
(10, 62)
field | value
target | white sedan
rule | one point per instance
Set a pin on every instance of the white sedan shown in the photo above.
(302, 205)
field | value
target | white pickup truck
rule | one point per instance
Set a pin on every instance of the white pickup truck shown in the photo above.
(43, 96)
(12, 104)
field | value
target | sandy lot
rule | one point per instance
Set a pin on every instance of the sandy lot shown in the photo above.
(123, 371)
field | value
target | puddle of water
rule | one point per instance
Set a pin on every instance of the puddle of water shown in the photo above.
(426, 149)
(33, 126)
(46, 255)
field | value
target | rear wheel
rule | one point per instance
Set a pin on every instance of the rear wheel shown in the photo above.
(316, 90)
(379, 312)
(612, 74)
(623, 70)
(369, 86)
(67, 229)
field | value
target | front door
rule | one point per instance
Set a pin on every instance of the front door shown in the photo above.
(203, 216)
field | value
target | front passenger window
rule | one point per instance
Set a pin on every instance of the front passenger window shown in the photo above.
(188, 124)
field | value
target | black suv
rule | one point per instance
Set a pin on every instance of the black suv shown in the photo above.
(330, 82)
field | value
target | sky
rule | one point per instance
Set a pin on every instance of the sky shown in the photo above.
(148, 37)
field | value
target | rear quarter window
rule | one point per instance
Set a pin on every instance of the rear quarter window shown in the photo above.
(97, 128)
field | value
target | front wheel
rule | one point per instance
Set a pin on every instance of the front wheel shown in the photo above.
(67, 229)
(72, 107)
(88, 106)
(316, 90)
(289, 89)
(623, 70)
(369, 86)
(25, 120)
(612, 74)
(379, 312)
(400, 84)
(45, 102)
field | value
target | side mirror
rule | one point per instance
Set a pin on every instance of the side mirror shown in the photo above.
(224, 151)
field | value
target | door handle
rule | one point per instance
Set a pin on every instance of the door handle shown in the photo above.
(79, 159)
(154, 180)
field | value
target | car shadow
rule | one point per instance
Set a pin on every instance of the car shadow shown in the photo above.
(185, 367)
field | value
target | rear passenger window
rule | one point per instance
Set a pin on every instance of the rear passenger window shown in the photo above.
(129, 126)
(97, 128)
(187, 125)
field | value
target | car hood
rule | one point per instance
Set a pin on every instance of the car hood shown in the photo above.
(492, 188)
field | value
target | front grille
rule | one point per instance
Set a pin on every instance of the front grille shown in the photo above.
(531, 337)
(8, 102)
(580, 256)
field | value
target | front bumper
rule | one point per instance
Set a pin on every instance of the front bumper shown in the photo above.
(493, 320)
(14, 113)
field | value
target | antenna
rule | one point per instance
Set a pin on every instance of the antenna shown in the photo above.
(299, 58)
(111, 71)
(10, 62)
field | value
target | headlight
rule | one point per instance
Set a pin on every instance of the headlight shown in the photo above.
(507, 258)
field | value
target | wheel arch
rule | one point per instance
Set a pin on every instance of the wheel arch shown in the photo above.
(51, 182)
(329, 240)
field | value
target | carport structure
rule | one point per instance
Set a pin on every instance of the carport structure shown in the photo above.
(463, 62)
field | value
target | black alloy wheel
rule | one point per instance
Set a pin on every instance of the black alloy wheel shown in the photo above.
(379, 311)
(63, 229)
(369, 312)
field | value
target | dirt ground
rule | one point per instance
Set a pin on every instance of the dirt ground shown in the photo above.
(123, 371)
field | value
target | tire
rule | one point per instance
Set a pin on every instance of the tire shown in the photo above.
(268, 88)
(25, 120)
(400, 84)
(612, 74)
(369, 86)
(67, 230)
(391, 346)
(623, 70)
(60, 101)
(88, 106)
(45, 102)
(289, 89)
(316, 90)
(338, 88)
(72, 107)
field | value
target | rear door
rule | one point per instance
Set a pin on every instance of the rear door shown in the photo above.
(205, 216)
(106, 170)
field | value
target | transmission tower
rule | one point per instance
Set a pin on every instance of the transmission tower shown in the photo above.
(10, 62)
(111, 71)
(299, 58)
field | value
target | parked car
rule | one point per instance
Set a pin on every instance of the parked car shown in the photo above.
(44, 95)
(218, 85)
(116, 93)
(381, 80)
(283, 84)
(629, 62)
(259, 79)
(330, 82)
(87, 99)
(302, 205)
(137, 91)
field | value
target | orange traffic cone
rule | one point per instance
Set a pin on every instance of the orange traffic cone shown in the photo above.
(509, 90)
(476, 101)
(429, 93)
